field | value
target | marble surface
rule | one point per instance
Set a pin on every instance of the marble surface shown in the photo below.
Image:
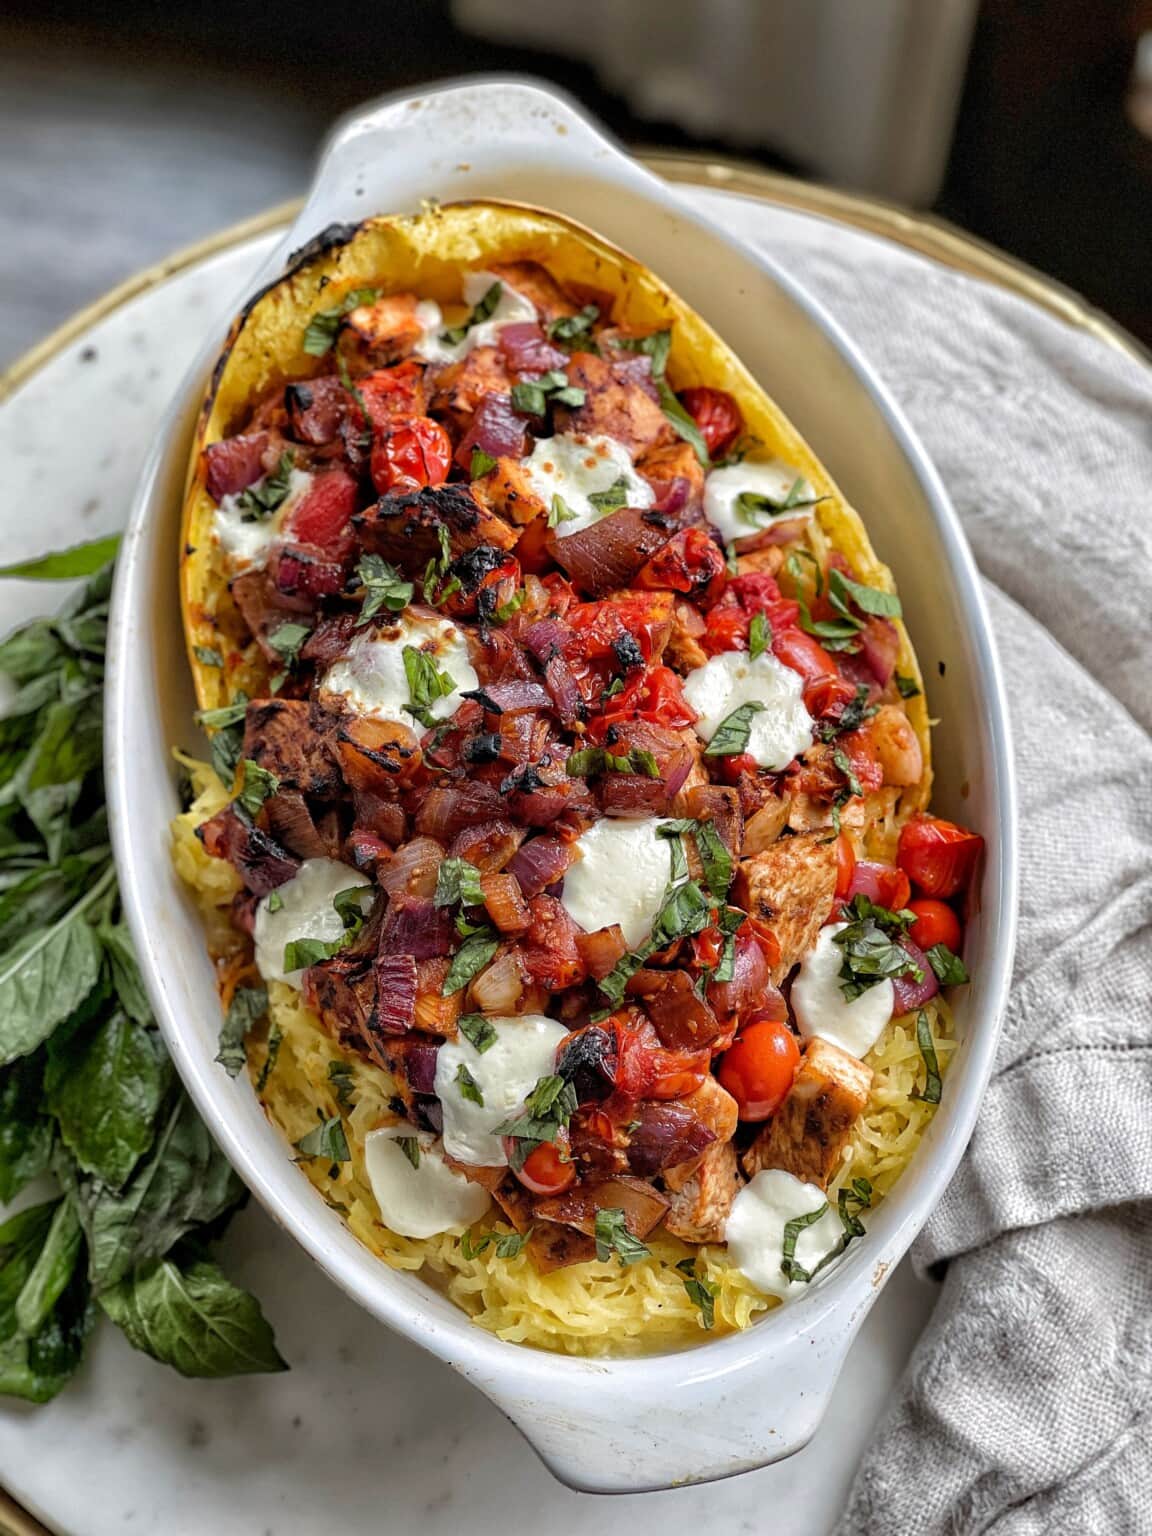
(365, 1432)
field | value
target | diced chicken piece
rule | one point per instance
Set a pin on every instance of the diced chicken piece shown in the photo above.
(662, 465)
(764, 826)
(536, 284)
(552, 1245)
(806, 813)
(700, 1205)
(684, 651)
(766, 561)
(897, 745)
(508, 490)
(807, 1134)
(404, 526)
(716, 1107)
(613, 407)
(460, 386)
(790, 886)
(387, 329)
(295, 740)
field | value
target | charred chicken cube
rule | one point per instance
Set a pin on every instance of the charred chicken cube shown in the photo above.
(790, 886)
(700, 1202)
(295, 740)
(808, 1133)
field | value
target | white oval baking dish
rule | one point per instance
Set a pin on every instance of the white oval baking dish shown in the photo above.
(731, 1404)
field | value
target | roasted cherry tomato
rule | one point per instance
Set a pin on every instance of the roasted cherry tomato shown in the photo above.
(824, 688)
(690, 562)
(937, 855)
(758, 1069)
(716, 414)
(532, 549)
(548, 1169)
(860, 752)
(654, 695)
(729, 769)
(936, 923)
(883, 884)
(414, 451)
(676, 1074)
(845, 864)
(321, 515)
(768, 941)
(392, 392)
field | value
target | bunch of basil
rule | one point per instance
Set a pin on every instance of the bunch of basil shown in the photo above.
(89, 1101)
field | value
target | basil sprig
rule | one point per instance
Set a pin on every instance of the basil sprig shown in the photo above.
(871, 951)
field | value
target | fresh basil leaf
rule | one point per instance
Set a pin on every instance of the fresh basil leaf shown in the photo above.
(570, 394)
(183, 1182)
(759, 636)
(384, 587)
(833, 634)
(730, 737)
(126, 978)
(907, 687)
(32, 651)
(471, 958)
(105, 1090)
(529, 399)
(560, 512)
(701, 1293)
(856, 712)
(256, 785)
(269, 493)
(686, 911)
(207, 655)
(25, 1132)
(868, 599)
(482, 311)
(950, 969)
(933, 1082)
(613, 1237)
(322, 328)
(286, 640)
(547, 1109)
(248, 1005)
(573, 328)
(457, 881)
(478, 1031)
(715, 858)
(299, 954)
(468, 1087)
(870, 956)
(327, 1140)
(227, 714)
(790, 1267)
(426, 684)
(191, 1317)
(840, 758)
(51, 1272)
(611, 500)
(682, 423)
(504, 611)
(340, 1077)
(67, 564)
(656, 346)
(508, 1245)
(45, 978)
(482, 464)
(36, 1368)
(349, 905)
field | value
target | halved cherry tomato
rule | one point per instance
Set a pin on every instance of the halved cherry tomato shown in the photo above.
(547, 1169)
(716, 414)
(689, 562)
(884, 884)
(391, 392)
(321, 515)
(937, 855)
(845, 864)
(729, 769)
(824, 688)
(414, 451)
(758, 1069)
(654, 695)
(726, 626)
(936, 923)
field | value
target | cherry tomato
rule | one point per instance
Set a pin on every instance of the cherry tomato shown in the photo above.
(863, 759)
(415, 451)
(883, 884)
(758, 1069)
(676, 1074)
(936, 923)
(716, 414)
(824, 688)
(729, 769)
(652, 695)
(547, 1169)
(708, 947)
(845, 864)
(392, 392)
(689, 562)
(937, 855)
(321, 515)
(769, 943)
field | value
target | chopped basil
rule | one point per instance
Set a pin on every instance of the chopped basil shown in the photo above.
(731, 560)
(731, 735)
(267, 495)
(613, 1237)
(701, 1293)
(256, 784)
(508, 1244)
(286, 640)
(718, 864)
(482, 464)
(560, 512)
(275, 901)
(682, 423)
(384, 587)
(907, 687)
(226, 715)
(349, 905)
(340, 1076)
(529, 399)
(435, 570)
(504, 611)
(547, 1109)
(950, 969)
(840, 758)
(872, 600)
(656, 346)
(760, 510)
(426, 684)
(299, 954)
(472, 956)
(573, 327)
(933, 1083)
(611, 500)
(571, 394)
(759, 636)
(592, 760)
(410, 1148)
(275, 1040)
(482, 311)
(208, 656)
(833, 634)
(795, 570)
(458, 881)
(248, 1004)
(849, 1203)
(790, 1268)
(326, 1140)
(856, 711)
(324, 325)
(871, 954)
(469, 1087)
(478, 1031)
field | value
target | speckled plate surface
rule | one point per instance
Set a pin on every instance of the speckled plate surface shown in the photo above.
(365, 1432)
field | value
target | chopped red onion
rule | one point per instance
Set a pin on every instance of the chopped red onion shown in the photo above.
(527, 350)
(908, 993)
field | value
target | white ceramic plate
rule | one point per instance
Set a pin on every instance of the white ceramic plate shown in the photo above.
(734, 1403)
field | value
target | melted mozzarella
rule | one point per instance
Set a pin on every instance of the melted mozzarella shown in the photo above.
(821, 1008)
(773, 478)
(424, 1200)
(247, 541)
(511, 308)
(576, 468)
(755, 1229)
(523, 1052)
(620, 877)
(778, 732)
(371, 676)
(301, 909)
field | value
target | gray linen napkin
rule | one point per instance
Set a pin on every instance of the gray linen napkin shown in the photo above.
(1027, 1406)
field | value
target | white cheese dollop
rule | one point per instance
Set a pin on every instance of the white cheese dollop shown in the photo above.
(301, 908)
(755, 1229)
(620, 877)
(511, 308)
(372, 679)
(778, 732)
(523, 1052)
(821, 1008)
(424, 1200)
(247, 542)
(575, 468)
(772, 478)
